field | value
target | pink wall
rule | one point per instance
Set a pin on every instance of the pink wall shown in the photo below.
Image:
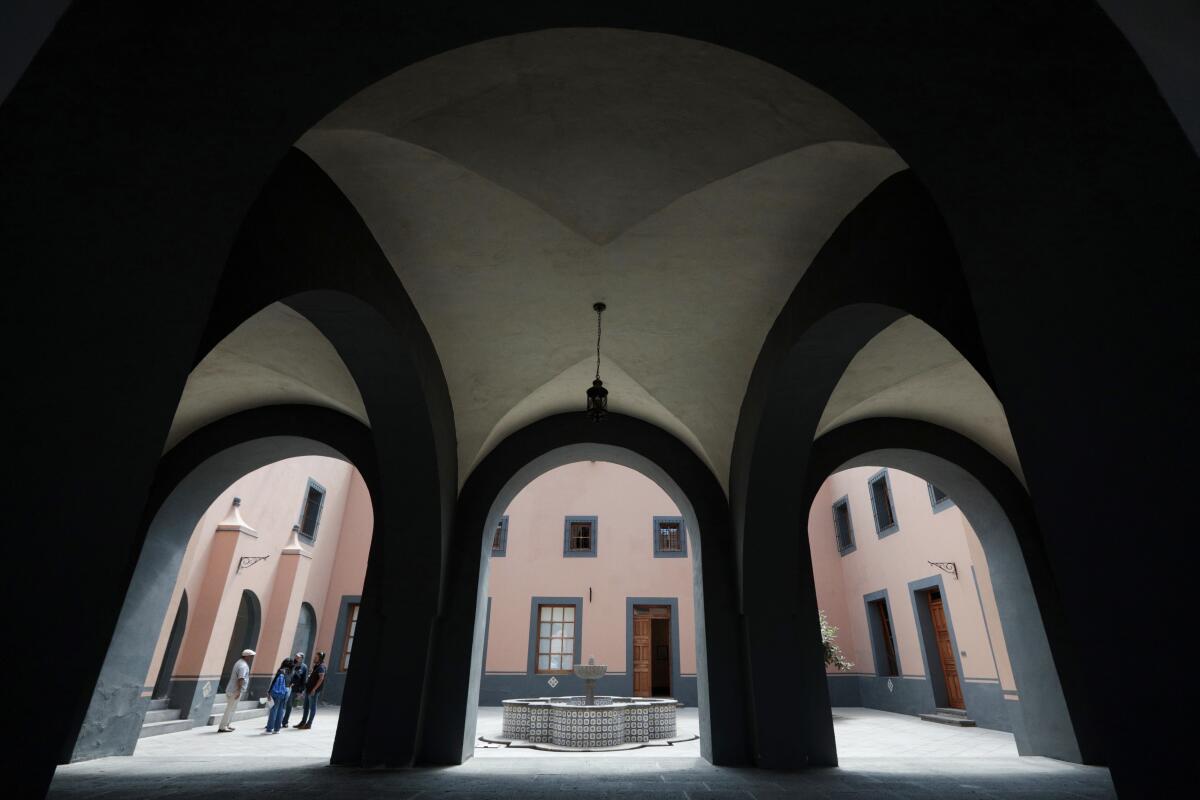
(625, 503)
(892, 562)
(346, 572)
(271, 502)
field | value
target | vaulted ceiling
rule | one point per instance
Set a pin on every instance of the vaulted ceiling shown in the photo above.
(514, 182)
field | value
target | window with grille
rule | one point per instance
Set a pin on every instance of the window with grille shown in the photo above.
(310, 512)
(938, 499)
(670, 537)
(841, 526)
(555, 638)
(348, 643)
(579, 536)
(500, 538)
(880, 489)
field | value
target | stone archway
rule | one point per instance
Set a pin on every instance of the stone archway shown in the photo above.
(1055, 712)
(516, 461)
(191, 476)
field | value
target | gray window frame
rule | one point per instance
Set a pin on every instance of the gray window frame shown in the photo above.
(311, 538)
(501, 551)
(886, 478)
(682, 551)
(567, 551)
(875, 634)
(534, 602)
(844, 500)
(938, 505)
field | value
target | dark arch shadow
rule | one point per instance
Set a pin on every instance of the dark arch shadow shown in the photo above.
(300, 226)
(174, 640)
(304, 244)
(1053, 706)
(563, 439)
(890, 257)
(191, 476)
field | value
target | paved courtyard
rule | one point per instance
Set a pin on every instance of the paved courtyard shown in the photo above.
(882, 755)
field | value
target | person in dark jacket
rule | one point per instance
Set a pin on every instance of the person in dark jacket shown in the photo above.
(312, 693)
(299, 680)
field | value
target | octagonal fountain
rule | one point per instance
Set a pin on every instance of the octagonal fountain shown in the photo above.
(589, 722)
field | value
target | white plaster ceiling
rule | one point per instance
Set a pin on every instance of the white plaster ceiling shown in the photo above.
(514, 182)
(275, 357)
(911, 371)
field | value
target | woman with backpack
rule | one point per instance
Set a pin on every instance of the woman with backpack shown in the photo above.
(279, 692)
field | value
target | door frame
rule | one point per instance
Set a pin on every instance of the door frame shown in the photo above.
(918, 592)
(673, 604)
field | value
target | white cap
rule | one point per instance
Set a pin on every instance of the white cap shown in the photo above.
(300, 654)
(248, 652)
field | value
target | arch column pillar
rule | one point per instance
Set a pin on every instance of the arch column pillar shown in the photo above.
(791, 718)
(201, 659)
(283, 607)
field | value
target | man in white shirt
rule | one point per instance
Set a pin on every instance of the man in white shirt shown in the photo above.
(239, 678)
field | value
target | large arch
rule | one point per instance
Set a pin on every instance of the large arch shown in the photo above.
(522, 456)
(190, 478)
(1054, 707)
(174, 640)
(891, 257)
(1037, 132)
(299, 226)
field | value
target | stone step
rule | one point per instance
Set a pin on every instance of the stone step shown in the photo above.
(249, 713)
(158, 705)
(161, 715)
(949, 719)
(169, 726)
(243, 705)
(951, 712)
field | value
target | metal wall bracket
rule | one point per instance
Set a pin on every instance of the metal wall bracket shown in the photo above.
(249, 561)
(946, 566)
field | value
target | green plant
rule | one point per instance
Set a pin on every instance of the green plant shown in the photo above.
(833, 654)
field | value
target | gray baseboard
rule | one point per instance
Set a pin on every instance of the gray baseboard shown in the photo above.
(985, 701)
(496, 687)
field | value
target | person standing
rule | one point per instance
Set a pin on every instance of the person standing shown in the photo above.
(280, 691)
(239, 678)
(299, 679)
(316, 682)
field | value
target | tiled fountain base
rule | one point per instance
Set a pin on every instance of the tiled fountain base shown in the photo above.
(566, 724)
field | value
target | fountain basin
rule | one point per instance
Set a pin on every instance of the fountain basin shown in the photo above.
(570, 722)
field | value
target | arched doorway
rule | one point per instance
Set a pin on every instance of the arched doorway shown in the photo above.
(245, 630)
(163, 681)
(306, 632)
(513, 464)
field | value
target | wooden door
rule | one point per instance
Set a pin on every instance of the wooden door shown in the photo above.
(641, 655)
(954, 695)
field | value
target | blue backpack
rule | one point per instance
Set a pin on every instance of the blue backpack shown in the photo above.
(279, 685)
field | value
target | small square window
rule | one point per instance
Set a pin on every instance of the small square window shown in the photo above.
(938, 499)
(579, 537)
(670, 538)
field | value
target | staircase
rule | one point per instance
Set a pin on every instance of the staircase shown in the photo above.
(949, 716)
(246, 709)
(161, 719)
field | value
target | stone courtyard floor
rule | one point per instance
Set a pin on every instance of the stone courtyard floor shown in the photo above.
(882, 755)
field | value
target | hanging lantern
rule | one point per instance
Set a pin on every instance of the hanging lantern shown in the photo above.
(597, 396)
